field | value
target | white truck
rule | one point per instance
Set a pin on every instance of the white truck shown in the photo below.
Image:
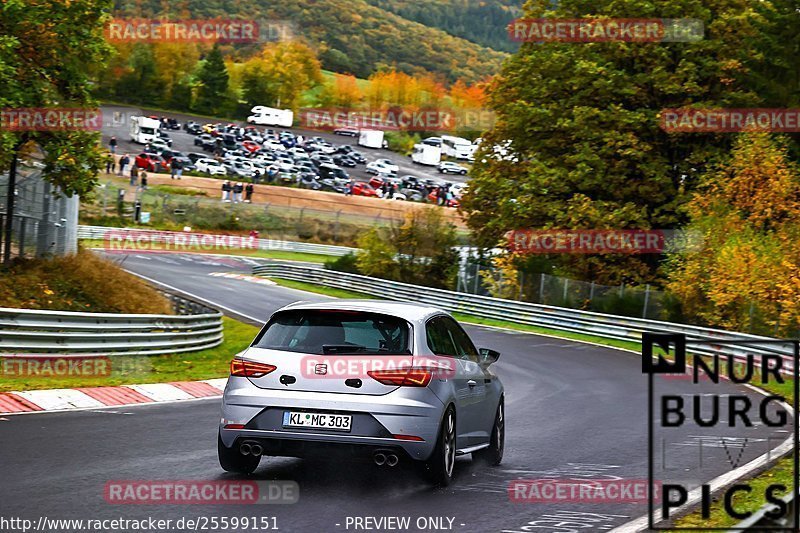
(144, 130)
(270, 116)
(370, 138)
(426, 154)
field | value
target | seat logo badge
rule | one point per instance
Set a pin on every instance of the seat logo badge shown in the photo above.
(321, 369)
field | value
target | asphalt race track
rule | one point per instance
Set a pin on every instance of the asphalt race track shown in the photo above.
(572, 410)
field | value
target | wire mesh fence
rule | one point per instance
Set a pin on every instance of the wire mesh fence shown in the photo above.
(45, 222)
(634, 301)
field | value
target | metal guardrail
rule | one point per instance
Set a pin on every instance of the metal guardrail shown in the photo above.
(562, 319)
(26, 331)
(105, 233)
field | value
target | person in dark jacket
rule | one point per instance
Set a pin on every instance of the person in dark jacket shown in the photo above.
(134, 174)
(248, 193)
(112, 145)
(123, 162)
(226, 191)
(237, 192)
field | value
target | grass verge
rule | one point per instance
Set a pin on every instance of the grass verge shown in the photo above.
(129, 370)
(779, 473)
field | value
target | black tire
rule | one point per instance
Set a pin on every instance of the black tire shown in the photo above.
(442, 463)
(232, 461)
(494, 453)
(463, 172)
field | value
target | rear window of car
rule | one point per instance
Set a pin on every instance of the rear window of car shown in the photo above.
(318, 331)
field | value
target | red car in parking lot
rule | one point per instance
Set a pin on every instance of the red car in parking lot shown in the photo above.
(151, 162)
(364, 189)
(251, 147)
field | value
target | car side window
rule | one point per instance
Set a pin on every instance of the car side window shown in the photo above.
(439, 340)
(464, 347)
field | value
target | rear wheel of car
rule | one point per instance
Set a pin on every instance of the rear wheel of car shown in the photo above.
(463, 172)
(231, 460)
(441, 464)
(494, 453)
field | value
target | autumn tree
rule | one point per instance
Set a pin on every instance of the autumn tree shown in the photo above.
(50, 54)
(580, 125)
(341, 91)
(280, 74)
(746, 274)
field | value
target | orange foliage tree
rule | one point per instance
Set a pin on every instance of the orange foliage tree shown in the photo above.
(746, 274)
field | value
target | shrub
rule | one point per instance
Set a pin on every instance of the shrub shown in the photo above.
(81, 282)
(345, 263)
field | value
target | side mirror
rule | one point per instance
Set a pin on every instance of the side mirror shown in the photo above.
(488, 356)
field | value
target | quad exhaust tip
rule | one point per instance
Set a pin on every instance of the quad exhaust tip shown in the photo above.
(245, 449)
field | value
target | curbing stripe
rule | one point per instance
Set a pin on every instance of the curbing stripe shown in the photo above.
(11, 403)
(198, 389)
(111, 396)
(58, 399)
(161, 392)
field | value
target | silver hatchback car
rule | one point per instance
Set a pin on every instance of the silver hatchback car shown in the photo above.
(383, 381)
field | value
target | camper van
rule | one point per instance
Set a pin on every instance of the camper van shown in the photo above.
(457, 147)
(270, 116)
(425, 154)
(370, 138)
(144, 130)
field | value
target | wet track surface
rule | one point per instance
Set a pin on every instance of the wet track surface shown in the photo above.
(572, 411)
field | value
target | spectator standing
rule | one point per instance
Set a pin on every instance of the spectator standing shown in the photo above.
(110, 164)
(123, 162)
(248, 193)
(179, 164)
(112, 145)
(237, 192)
(144, 180)
(226, 191)
(134, 175)
(348, 188)
(390, 190)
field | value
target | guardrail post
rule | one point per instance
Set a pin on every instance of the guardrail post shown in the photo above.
(646, 300)
(541, 288)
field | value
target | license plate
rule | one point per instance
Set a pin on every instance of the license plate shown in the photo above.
(317, 420)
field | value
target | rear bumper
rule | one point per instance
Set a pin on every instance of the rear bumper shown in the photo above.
(376, 419)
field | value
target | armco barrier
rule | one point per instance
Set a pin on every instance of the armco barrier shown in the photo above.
(557, 318)
(26, 331)
(155, 236)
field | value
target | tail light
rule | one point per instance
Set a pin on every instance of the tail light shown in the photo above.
(250, 369)
(403, 377)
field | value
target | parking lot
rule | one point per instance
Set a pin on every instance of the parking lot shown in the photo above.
(116, 123)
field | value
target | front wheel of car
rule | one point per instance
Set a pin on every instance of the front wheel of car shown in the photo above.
(231, 460)
(494, 453)
(442, 462)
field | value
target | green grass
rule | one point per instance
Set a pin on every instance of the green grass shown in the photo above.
(264, 254)
(779, 473)
(127, 370)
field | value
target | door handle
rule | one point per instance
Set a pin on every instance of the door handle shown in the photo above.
(472, 383)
